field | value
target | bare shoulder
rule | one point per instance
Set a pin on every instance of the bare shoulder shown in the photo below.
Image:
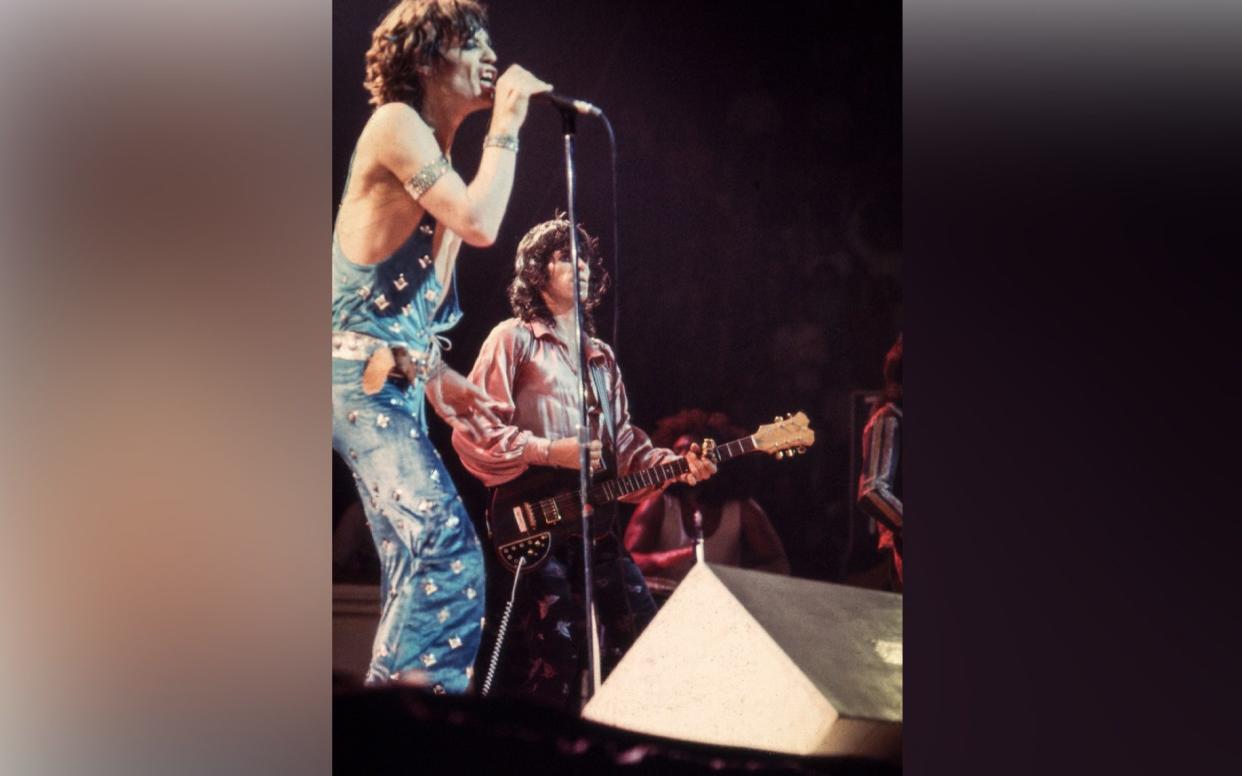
(394, 116)
(396, 126)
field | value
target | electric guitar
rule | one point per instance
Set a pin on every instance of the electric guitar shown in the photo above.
(533, 513)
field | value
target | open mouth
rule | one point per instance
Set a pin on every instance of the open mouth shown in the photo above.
(487, 79)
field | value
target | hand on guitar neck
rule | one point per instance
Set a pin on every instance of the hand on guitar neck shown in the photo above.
(701, 469)
(563, 453)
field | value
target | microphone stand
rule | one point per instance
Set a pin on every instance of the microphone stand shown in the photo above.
(568, 125)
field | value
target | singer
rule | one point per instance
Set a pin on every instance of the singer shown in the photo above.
(529, 366)
(404, 215)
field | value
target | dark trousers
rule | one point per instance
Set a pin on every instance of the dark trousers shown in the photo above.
(544, 652)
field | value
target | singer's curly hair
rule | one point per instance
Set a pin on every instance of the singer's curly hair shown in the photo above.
(411, 35)
(530, 270)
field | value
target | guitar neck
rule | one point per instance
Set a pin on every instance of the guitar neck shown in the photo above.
(612, 490)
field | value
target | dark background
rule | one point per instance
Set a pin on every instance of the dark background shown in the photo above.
(1070, 205)
(759, 210)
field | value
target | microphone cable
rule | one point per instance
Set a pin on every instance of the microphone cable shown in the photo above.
(616, 242)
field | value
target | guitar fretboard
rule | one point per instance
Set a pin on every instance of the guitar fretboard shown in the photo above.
(612, 490)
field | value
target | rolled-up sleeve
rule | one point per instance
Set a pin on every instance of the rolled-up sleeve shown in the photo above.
(504, 451)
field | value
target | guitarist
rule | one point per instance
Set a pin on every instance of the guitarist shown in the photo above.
(528, 366)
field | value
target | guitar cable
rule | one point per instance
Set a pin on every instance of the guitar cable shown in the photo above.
(500, 631)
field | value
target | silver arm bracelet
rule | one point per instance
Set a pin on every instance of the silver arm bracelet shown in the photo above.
(425, 178)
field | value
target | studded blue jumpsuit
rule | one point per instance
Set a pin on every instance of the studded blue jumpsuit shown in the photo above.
(432, 584)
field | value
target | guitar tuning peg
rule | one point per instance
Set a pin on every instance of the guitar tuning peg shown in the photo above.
(777, 418)
(801, 450)
(788, 415)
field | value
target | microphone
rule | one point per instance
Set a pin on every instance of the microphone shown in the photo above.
(569, 103)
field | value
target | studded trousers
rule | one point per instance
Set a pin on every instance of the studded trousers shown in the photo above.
(432, 579)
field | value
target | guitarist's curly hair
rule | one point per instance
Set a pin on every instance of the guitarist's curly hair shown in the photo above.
(530, 271)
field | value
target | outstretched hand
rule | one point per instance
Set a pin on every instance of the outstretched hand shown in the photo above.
(463, 405)
(700, 468)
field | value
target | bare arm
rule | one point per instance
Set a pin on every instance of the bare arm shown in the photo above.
(762, 546)
(405, 145)
(642, 539)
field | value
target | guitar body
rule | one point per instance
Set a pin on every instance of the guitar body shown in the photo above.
(535, 512)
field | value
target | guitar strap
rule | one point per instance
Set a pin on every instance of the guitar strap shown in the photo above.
(608, 432)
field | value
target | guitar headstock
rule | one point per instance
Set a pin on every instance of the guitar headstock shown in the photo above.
(786, 436)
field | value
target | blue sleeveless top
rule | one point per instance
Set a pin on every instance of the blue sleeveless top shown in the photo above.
(396, 299)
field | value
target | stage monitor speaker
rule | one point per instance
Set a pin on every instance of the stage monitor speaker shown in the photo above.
(764, 661)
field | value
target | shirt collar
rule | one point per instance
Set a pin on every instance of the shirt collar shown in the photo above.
(542, 330)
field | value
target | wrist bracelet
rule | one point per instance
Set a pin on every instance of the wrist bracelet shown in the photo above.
(508, 142)
(435, 370)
